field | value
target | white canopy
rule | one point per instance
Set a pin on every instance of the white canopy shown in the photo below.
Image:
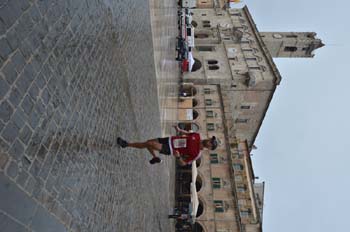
(194, 202)
(190, 61)
(194, 196)
(194, 172)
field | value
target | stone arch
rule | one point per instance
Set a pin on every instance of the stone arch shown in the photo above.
(199, 183)
(195, 114)
(198, 227)
(189, 126)
(200, 210)
(197, 65)
(194, 102)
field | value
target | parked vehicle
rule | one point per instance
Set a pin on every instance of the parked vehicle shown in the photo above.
(185, 26)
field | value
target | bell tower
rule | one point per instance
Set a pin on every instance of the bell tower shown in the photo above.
(291, 44)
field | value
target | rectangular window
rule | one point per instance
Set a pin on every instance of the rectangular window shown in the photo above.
(245, 107)
(205, 48)
(208, 102)
(237, 167)
(238, 178)
(235, 14)
(206, 91)
(241, 120)
(209, 114)
(214, 159)
(219, 206)
(254, 68)
(247, 49)
(216, 182)
(245, 213)
(242, 202)
(210, 126)
(250, 58)
(241, 188)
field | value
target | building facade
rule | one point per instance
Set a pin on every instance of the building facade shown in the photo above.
(228, 97)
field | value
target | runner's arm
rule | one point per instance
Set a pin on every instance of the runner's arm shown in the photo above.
(178, 157)
(181, 131)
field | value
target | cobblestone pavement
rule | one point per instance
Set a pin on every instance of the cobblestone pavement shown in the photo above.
(75, 74)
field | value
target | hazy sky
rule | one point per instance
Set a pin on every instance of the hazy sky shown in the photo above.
(303, 144)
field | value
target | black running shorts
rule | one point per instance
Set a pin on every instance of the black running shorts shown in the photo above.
(165, 146)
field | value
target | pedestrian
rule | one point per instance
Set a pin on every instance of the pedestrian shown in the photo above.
(186, 147)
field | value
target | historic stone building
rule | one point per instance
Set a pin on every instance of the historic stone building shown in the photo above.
(228, 97)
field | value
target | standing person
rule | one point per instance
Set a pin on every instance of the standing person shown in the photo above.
(186, 147)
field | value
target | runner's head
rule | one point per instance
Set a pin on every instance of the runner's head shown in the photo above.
(210, 144)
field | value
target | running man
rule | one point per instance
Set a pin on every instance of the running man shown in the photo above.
(186, 147)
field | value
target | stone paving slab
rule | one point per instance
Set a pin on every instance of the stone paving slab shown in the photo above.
(75, 74)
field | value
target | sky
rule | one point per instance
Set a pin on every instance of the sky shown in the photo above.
(303, 144)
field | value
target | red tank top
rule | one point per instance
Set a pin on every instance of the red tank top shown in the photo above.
(188, 146)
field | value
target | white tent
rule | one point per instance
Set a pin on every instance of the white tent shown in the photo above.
(194, 202)
(194, 196)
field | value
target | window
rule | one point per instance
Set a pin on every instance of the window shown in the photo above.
(247, 49)
(241, 188)
(208, 102)
(205, 48)
(245, 213)
(216, 182)
(201, 35)
(214, 159)
(291, 36)
(235, 14)
(207, 91)
(213, 67)
(219, 206)
(245, 107)
(212, 61)
(254, 68)
(238, 178)
(290, 49)
(210, 114)
(206, 23)
(195, 114)
(241, 120)
(194, 102)
(250, 58)
(237, 167)
(210, 126)
(204, 14)
(242, 202)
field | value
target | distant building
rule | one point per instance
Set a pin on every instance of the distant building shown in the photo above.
(228, 97)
